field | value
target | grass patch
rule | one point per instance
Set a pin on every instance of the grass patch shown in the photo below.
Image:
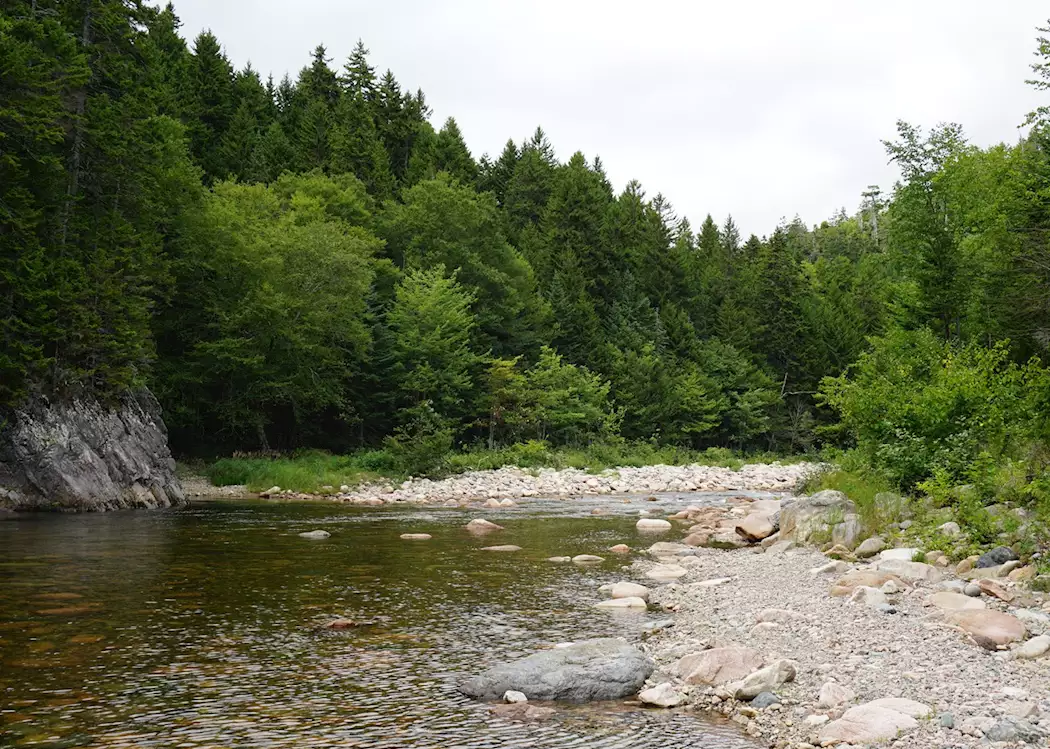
(312, 470)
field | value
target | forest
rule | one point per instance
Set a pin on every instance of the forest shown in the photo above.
(311, 263)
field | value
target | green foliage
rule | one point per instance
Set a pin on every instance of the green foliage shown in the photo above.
(303, 471)
(421, 445)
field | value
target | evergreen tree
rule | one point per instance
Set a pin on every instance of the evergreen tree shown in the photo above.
(212, 105)
(451, 154)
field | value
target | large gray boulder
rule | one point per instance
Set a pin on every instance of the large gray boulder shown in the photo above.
(82, 454)
(826, 516)
(601, 669)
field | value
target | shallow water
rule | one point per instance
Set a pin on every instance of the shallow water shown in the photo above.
(198, 627)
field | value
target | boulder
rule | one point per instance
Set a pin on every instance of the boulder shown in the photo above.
(627, 602)
(718, 665)
(995, 557)
(948, 601)
(848, 532)
(763, 680)
(480, 525)
(662, 695)
(317, 535)
(807, 516)
(653, 525)
(587, 559)
(601, 669)
(501, 547)
(415, 537)
(755, 527)
(511, 697)
(665, 572)
(950, 529)
(624, 589)
(833, 695)
(869, 547)
(992, 626)
(869, 723)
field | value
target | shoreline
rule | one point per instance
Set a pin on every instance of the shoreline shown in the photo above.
(776, 601)
(492, 487)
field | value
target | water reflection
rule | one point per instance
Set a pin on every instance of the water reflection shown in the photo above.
(200, 627)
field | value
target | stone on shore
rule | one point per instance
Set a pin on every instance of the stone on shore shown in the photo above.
(653, 525)
(724, 538)
(501, 547)
(620, 549)
(763, 680)
(870, 597)
(873, 722)
(662, 695)
(601, 669)
(949, 601)
(916, 571)
(870, 547)
(995, 590)
(992, 626)
(480, 525)
(997, 556)
(416, 537)
(833, 694)
(625, 589)
(317, 535)
(665, 572)
(755, 527)
(764, 700)
(559, 560)
(846, 584)
(718, 665)
(1037, 647)
(819, 514)
(905, 554)
(1011, 728)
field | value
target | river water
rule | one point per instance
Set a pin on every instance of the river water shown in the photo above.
(199, 627)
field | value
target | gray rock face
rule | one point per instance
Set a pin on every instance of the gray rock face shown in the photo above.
(602, 669)
(828, 512)
(82, 455)
(995, 557)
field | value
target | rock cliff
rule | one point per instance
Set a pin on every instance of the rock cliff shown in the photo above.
(82, 455)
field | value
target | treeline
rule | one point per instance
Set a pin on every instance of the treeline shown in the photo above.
(312, 263)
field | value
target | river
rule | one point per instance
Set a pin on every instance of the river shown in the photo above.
(201, 626)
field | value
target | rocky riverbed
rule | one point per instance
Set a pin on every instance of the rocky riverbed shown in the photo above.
(807, 650)
(510, 483)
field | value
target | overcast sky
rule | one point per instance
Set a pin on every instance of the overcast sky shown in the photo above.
(760, 109)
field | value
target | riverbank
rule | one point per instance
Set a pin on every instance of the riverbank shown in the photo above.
(502, 486)
(957, 668)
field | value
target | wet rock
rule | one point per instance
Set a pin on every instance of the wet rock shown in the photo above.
(625, 589)
(628, 602)
(587, 559)
(833, 695)
(995, 557)
(870, 547)
(416, 537)
(662, 695)
(665, 572)
(763, 680)
(718, 665)
(522, 711)
(480, 525)
(602, 669)
(317, 535)
(559, 560)
(652, 525)
(501, 547)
